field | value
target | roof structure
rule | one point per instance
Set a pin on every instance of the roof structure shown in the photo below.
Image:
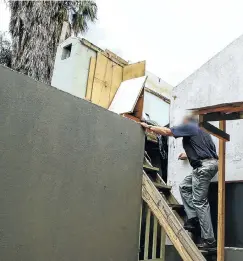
(221, 113)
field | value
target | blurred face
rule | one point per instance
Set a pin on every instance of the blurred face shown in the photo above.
(185, 120)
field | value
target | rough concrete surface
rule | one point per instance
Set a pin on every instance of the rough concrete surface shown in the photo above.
(70, 183)
(220, 80)
(233, 254)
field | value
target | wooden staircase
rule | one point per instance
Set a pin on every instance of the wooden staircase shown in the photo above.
(166, 209)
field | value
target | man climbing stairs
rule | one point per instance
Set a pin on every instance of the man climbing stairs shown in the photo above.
(166, 209)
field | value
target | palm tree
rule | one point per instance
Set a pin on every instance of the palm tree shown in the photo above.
(36, 27)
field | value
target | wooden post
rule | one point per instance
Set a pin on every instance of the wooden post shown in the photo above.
(221, 196)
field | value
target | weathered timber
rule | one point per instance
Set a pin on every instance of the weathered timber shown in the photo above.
(173, 228)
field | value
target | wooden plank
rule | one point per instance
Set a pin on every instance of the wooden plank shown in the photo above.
(169, 198)
(178, 236)
(99, 78)
(104, 99)
(116, 57)
(150, 168)
(147, 231)
(134, 70)
(215, 131)
(89, 87)
(225, 107)
(176, 206)
(219, 116)
(138, 110)
(107, 79)
(131, 117)
(162, 187)
(221, 197)
(162, 244)
(116, 80)
(155, 237)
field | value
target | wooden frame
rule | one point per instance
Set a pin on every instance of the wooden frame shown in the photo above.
(215, 131)
(221, 113)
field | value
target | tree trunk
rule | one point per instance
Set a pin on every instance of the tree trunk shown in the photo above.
(36, 28)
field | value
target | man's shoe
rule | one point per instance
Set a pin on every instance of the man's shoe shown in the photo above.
(191, 224)
(207, 244)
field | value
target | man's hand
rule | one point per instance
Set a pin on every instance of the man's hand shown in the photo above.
(157, 130)
(182, 156)
(145, 125)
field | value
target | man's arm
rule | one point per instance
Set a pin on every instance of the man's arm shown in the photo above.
(159, 130)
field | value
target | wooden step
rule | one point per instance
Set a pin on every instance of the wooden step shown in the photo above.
(210, 252)
(176, 206)
(162, 187)
(150, 169)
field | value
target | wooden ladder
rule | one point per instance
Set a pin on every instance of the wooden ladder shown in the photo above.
(165, 208)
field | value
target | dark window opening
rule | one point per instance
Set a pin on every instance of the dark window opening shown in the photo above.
(66, 51)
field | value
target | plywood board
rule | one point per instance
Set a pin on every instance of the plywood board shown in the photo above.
(104, 96)
(107, 79)
(127, 95)
(134, 70)
(90, 78)
(116, 80)
(99, 78)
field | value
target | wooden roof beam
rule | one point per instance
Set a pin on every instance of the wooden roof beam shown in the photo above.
(214, 131)
(226, 108)
(219, 116)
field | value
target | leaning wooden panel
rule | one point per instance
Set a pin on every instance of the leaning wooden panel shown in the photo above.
(117, 71)
(100, 84)
(134, 70)
(107, 79)
(178, 236)
(90, 78)
(104, 99)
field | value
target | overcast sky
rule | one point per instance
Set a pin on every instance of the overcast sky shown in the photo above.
(175, 37)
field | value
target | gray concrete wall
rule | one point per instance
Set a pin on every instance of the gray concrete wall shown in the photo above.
(220, 80)
(70, 176)
(233, 254)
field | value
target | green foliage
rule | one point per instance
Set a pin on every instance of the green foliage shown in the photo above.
(5, 50)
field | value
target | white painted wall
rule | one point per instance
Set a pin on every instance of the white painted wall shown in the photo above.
(220, 80)
(71, 74)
